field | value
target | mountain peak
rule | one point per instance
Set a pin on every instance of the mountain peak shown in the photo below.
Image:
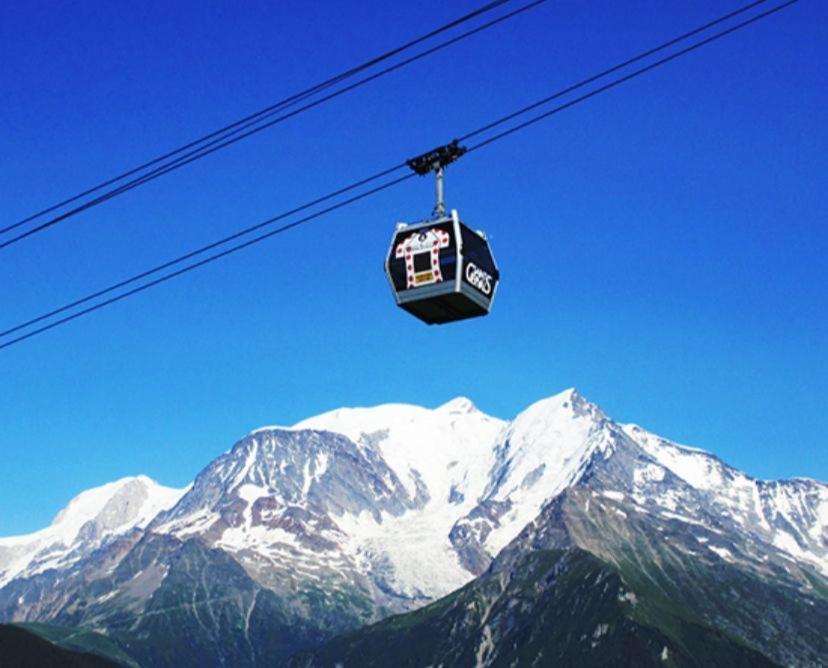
(571, 398)
(458, 405)
(132, 492)
(569, 404)
(87, 521)
(546, 448)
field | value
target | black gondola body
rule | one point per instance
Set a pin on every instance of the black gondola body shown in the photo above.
(441, 270)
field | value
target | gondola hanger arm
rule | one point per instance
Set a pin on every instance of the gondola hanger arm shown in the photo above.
(436, 161)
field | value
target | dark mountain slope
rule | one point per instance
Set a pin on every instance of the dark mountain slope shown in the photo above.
(206, 611)
(20, 648)
(81, 640)
(556, 608)
(597, 579)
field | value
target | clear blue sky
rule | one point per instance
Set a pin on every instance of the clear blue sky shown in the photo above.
(662, 246)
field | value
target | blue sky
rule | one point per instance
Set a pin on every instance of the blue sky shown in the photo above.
(662, 246)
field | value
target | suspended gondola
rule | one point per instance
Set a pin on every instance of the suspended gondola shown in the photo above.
(441, 270)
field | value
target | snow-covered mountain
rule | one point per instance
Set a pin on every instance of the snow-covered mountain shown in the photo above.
(358, 513)
(354, 495)
(90, 520)
(790, 515)
(640, 552)
(545, 449)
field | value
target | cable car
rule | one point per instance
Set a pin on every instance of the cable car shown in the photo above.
(441, 270)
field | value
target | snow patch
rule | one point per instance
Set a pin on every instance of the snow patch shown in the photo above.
(648, 473)
(722, 552)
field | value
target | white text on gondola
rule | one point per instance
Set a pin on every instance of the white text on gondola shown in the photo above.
(479, 278)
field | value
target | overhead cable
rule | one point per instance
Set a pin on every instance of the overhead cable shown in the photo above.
(281, 104)
(521, 126)
(241, 130)
(374, 177)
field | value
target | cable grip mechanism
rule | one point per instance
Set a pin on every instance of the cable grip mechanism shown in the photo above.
(436, 161)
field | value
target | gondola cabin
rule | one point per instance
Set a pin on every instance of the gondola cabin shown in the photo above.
(441, 270)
